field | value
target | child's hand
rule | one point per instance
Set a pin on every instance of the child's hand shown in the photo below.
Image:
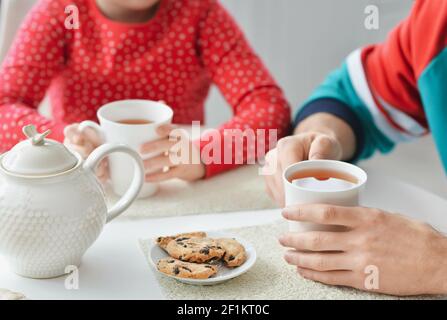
(166, 165)
(84, 142)
(293, 149)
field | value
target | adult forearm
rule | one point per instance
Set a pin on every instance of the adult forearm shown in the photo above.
(439, 261)
(333, 126)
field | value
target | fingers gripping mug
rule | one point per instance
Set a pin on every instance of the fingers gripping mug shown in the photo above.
(130, 122)
(323, 182)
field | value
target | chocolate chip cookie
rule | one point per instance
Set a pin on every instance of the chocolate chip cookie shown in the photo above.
(163, 241)
(196, 250)
(235, 254)
(183, 269)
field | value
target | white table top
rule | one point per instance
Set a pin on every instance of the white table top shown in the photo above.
(114, 267)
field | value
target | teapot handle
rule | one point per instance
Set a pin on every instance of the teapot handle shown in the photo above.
(137, 182)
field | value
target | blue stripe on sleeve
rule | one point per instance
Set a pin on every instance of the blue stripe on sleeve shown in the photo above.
(338, 86)
(432, 87)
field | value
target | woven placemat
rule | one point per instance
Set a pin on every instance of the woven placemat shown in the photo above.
(239, 190)
(270, 278)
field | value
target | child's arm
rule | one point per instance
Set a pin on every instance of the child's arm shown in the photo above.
(35, 58)
(382, 90)
(256, 99)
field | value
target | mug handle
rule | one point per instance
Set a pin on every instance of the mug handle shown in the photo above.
(93, 125)
(137, 182)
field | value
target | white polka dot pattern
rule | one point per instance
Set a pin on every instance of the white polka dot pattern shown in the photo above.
(175, 57)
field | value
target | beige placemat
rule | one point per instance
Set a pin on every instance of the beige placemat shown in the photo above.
(237, 190)
(270, 278)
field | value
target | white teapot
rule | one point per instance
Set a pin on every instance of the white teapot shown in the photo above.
(52, 208)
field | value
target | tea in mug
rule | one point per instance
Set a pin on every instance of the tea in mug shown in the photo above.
(135, 121)
(323, 179)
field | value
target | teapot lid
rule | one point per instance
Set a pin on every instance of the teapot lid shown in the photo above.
(38, 156)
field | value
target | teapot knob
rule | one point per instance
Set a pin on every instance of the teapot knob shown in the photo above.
(37, 139)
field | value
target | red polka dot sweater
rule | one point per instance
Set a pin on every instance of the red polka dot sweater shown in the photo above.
(175, 57)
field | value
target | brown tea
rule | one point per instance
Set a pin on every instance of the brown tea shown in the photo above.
(322, 175)
(135, 121)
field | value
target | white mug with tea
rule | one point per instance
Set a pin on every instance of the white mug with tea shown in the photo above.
(130, 122)
(325, 182)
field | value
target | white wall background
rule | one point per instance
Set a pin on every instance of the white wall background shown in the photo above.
(302, 40)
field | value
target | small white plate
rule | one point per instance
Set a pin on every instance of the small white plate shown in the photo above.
(224, 274)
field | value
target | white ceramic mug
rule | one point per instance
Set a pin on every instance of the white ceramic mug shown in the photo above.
(348, 197)
(132, 135)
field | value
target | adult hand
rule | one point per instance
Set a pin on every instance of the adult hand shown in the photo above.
(177, 157)
(408, 257)
(293, 149)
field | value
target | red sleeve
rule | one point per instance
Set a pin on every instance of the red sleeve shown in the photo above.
(27, 71)
(394, 67)
(256, 99)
